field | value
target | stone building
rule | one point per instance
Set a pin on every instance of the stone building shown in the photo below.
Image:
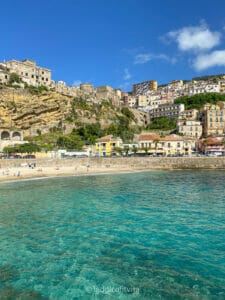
(105, 91)
(62, 88)
(4, 73)
(213, 119)
(87, 87)
(29, 72)
(10, 138)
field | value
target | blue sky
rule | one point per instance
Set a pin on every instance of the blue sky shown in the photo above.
(116, 42)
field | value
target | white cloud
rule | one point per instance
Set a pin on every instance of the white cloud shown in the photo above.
(77, 82)
(213, 59)
(146, 57)
(195, 38)
(127, 74)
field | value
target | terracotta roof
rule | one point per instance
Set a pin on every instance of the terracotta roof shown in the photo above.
(171, 138)
(151, 137)
(148, 137)
(213, 141)
(105, 138)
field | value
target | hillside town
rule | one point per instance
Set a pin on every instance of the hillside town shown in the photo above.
(198, 131)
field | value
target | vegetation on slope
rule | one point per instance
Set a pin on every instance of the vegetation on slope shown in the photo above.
(87, 134)
(162, 124)
(197, 101)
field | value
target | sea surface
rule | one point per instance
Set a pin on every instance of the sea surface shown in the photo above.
(149, 235)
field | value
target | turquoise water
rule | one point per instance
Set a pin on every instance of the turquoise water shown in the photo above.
(153, 235)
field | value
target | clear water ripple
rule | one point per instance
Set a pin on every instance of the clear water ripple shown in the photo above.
(151, 235)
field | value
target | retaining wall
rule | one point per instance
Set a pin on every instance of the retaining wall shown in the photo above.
(126, 163)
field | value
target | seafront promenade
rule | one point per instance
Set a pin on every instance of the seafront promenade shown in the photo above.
(13, 169)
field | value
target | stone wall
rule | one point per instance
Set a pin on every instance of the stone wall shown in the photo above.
(126, 163)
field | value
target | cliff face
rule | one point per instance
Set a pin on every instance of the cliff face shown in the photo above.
(22, 110)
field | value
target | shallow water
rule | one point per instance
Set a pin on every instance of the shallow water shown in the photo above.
(151, 235)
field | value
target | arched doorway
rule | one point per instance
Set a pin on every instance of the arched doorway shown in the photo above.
(16, 136)
(5, 135)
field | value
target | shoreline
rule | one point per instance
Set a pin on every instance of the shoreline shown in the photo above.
(26, 175)
(15, 170)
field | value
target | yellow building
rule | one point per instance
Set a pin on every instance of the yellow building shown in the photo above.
(106, 145)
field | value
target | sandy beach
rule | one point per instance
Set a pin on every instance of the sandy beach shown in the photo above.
(20, 173)
(21, 169)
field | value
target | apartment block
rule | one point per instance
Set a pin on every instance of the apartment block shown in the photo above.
(190, 128)
(213, 119)
(145, 87)
(166, 110)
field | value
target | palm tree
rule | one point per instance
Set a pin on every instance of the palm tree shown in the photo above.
(126, 149)
(118, 150)
(134, 149)
(156, 141)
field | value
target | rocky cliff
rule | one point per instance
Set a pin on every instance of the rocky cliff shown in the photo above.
(47, 110)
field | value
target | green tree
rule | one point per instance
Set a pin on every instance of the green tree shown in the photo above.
(156, 141)
(146, 149)
(14, 78)
(126, 150)
(72, 141)
(197, 101)
(118, 150)
(134, 149)
(128, 113)
(163, 124)
(24, 148)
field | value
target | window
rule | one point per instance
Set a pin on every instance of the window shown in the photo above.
(168, 145)
(26, 74)
(178, 145)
